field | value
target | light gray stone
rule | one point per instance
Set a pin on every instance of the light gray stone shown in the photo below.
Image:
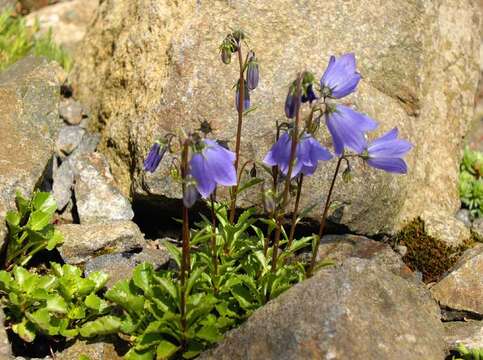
(467, 333)
(464, 216)
(359, 310)
(478, 227)
(84, 242)
(69, 138)
(71, 111)
(63, 181)
(447, 229)
(29, 123)
(462, 288)
(97, 197)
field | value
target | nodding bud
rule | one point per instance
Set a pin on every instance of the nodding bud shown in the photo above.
(253, 171)
(291, 104)
(154, 157)
(347, 174)
(309, 94)
(238, 35)
(252, 71)
(269, 203)
(246, 97)
(226, 55)
(191, 194)
(205, 127)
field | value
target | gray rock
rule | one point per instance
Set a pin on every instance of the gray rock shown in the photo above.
(447, 229)
(419, 74)
(97, 197)
(5, 350)
(402, 250)
(71, 111)
(69, 138)
(29, 123)
(462, 288)
(359, 310)
(464, 216)
(339, 248)
(84, 242)
(121, 265)
(63, 181)
(468, 333)
(93, 350)
(478, 227)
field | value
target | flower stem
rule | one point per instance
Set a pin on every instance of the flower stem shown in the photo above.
(288, 179)
(295, 211)
(214, 255)
(323, 220)
(185, 258)
(241, 92)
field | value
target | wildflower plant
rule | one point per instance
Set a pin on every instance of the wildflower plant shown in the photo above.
(228, 266)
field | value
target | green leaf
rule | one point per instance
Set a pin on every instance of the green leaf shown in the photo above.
(135, 355)
(76, 313)
(105, 325)
(165, 350)
(42, 319)
(13, 219)
(142, 276)
(21, 275)
(26, 330)
(55, 239)
(94, 302)
(45, 202)
(5, 280)
(248, 184)
(194, 276)
(122, 295)
(169, 286)
(99, 279)
(209, 333)
(84, 357)
(39, 220)
(174, 251)
(56, 304)
(23, 204)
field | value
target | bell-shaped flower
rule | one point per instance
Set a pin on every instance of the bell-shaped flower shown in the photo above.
(154, 157)
(308, 153)
(387, 151)
(246, 97)
(191, 194)
(347, 128)
(212, 166)
(340, 78)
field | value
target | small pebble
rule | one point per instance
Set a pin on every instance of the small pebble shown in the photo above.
(71, 111)
(464, 216)
(401, 250)
(69, 138)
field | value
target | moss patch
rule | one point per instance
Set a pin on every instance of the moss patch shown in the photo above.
(426, 254)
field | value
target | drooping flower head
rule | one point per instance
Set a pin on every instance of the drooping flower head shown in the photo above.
(347, 128)
(154, 157)
(246, 97)
(212, 165)
(340, 78)
(309, 94)
(387, 151)
(253, 72)
(309, 152)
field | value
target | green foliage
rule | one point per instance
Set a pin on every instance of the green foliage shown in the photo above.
(57, 304)
(471, 182)
(426, 254)
(18, 41)
(30, 228)
(152, 304)
(468, 354)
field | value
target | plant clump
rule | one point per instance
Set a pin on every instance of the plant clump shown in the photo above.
(426, 254)
(471, 182)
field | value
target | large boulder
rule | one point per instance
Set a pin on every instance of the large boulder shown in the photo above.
(151, 66)
(29, 122)
(359, 310)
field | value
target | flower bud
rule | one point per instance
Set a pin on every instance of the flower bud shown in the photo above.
(309, 94)
(347, 174)
(291, 104)
(226, 55)
(191, 194)
(269, 202)
(253, 171)
(252, 71)
(154, 157)
(246, 97)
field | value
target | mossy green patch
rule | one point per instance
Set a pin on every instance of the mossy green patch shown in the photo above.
(17, 41)
(426, 254)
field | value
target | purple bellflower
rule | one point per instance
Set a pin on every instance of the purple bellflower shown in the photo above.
(154, 157)
(246, 97)
(340, 78)
(191, 194)
(309, 153)
(211, 166)
(291, 105)
(347, 128)
(386, 153)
